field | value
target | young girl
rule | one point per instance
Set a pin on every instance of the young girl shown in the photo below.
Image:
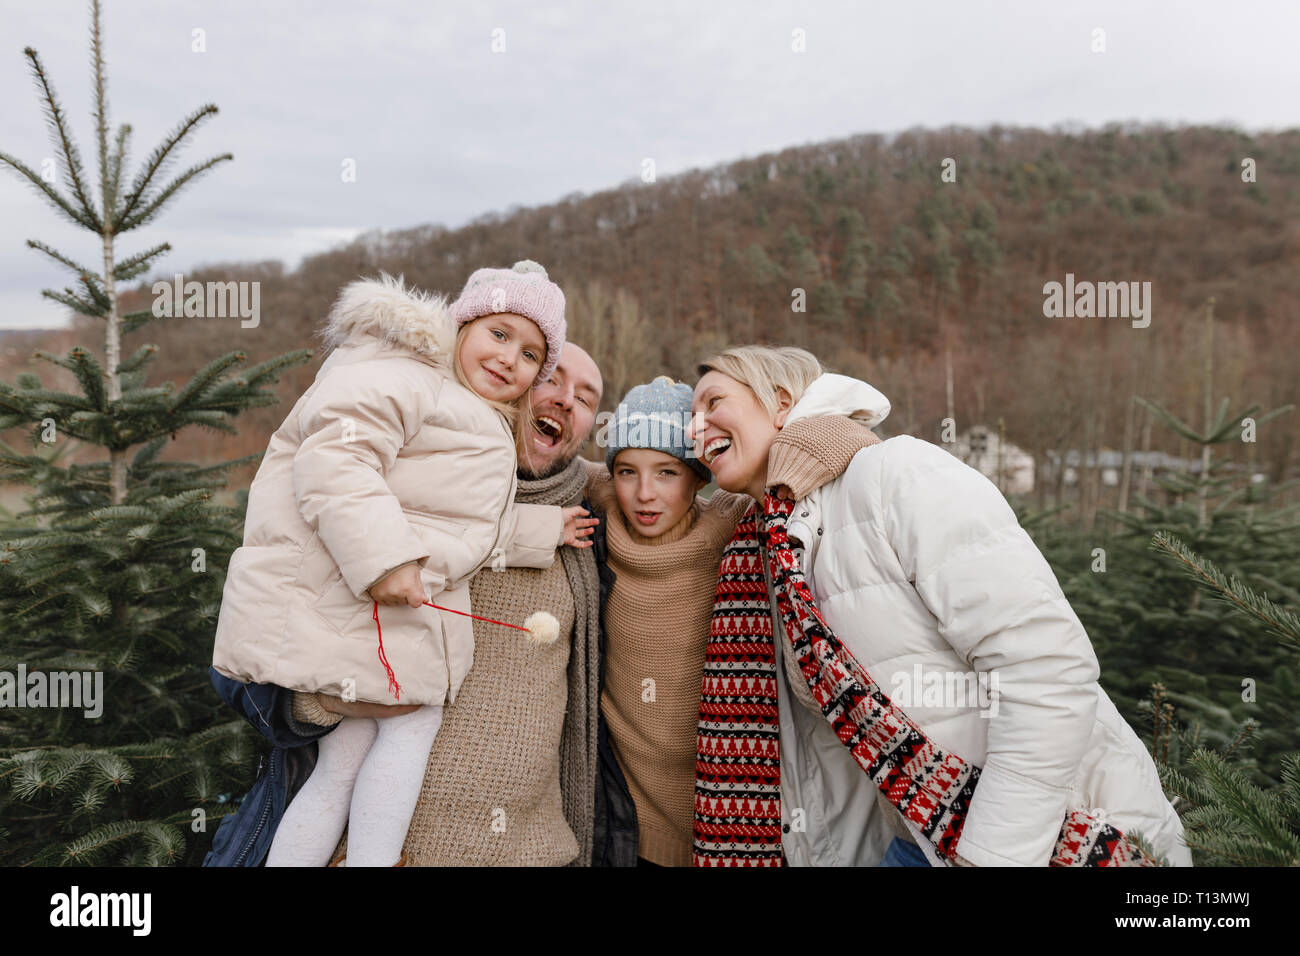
(664, 546)
(390, 484)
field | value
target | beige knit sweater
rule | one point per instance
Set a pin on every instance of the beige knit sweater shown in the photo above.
(501, 808)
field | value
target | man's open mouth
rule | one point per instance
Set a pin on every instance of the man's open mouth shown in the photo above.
(714, 449)
(550, 429)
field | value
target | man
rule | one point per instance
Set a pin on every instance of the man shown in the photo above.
(513, 775)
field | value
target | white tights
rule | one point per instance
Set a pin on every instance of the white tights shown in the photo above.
(368, 775)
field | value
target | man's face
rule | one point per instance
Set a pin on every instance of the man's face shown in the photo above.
(563, 413)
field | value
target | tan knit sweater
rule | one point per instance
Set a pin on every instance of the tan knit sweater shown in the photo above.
(657, 622)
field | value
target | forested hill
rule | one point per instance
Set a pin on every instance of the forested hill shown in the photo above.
(898, 266)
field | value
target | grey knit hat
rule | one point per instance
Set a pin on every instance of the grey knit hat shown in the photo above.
(655, 416)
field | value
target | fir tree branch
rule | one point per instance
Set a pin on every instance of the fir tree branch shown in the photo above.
(1247, 731)
(75, 302)
(1231, 591)
(1270, 415)
(90, 374)
(96, 294)
(62, 138)
(60, 204)
(269, 371)
(158, 159)
(135, 320)
(1170, 419)
(138, 359)
(59, 257)
(1229, 429)
(156, 203)
(1254, 810)
(116, 163)
(204, 379)
(138, 264)
(1291, 789)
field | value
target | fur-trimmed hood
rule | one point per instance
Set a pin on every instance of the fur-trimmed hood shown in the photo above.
(386, 309)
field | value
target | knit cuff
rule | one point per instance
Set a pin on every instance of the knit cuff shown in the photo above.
(307, 708)
(810, 452)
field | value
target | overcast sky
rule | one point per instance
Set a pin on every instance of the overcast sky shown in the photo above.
(443, 129)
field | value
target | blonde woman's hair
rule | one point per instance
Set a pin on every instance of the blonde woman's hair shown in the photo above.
(767, 370)
(513, 411)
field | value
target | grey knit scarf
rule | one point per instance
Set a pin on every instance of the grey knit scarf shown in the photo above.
(578, 740)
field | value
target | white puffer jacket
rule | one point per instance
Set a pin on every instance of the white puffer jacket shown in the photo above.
(918, 563)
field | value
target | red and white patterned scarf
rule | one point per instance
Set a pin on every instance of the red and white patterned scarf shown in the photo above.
(738, 767)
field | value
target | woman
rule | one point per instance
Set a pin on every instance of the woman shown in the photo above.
(919, 579)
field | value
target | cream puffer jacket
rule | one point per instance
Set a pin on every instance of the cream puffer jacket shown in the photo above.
(919, 565)
(385, 460)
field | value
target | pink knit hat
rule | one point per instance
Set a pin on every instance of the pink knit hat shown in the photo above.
(524, 290)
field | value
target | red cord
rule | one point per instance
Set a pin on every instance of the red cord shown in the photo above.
(393, 686)
(476, 617)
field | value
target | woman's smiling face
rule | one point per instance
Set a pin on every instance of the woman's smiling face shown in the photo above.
(733, 432)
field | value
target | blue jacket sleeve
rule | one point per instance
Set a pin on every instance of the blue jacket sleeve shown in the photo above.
(268, 708)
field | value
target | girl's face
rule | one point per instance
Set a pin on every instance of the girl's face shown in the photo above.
(733, 432)
(654, 489)
(500, 355)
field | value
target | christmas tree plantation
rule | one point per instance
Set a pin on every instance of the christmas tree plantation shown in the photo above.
(1152, 623)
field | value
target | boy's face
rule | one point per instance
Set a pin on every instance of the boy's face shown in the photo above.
(654, 489)
(501, 355)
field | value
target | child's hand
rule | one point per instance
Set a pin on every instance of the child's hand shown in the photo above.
(402, 586)
(577, 528)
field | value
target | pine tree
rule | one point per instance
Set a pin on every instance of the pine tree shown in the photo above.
(1150, 623)
(115, 568)
(1227, 819)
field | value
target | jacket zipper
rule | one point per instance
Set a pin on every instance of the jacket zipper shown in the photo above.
(267, 803)
(496, 541)
(510, 499)
(496, 544)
